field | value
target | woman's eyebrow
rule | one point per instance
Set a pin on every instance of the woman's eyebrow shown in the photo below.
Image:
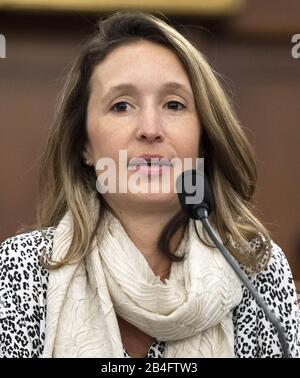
(131, 88)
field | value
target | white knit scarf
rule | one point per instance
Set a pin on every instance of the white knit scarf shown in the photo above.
(191, 311)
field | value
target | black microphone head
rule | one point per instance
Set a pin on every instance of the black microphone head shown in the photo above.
(194, 190)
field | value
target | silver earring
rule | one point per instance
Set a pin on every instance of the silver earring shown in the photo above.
(87, 162)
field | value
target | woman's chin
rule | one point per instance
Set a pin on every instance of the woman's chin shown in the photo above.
(151, 197)
(155, 201)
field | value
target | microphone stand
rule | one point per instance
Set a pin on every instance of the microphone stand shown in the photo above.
(202, 214)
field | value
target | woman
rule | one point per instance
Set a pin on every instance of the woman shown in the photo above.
(121, 273)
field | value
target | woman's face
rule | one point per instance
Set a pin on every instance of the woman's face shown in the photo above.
(145, 116)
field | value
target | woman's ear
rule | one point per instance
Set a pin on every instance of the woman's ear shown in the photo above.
(87, 155)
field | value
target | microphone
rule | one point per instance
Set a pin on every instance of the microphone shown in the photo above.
(200, 211)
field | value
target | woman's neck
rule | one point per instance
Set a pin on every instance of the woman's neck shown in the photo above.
(144, 231)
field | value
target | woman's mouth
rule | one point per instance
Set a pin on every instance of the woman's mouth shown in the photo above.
(153, 166)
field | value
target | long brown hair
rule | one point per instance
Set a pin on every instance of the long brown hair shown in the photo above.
(67, 183)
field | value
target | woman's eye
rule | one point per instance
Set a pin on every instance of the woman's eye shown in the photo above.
(117, 106)
(177, 103)
(120, 106)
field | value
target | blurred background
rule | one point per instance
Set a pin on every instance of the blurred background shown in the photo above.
(248, 42)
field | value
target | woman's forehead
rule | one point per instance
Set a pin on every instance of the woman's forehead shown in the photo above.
(136, 64)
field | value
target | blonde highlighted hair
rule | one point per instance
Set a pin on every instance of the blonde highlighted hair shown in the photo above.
(67, 183)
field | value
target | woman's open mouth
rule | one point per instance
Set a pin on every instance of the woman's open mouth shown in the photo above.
(154, 167)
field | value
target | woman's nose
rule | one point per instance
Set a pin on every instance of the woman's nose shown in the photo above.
(150, 127)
